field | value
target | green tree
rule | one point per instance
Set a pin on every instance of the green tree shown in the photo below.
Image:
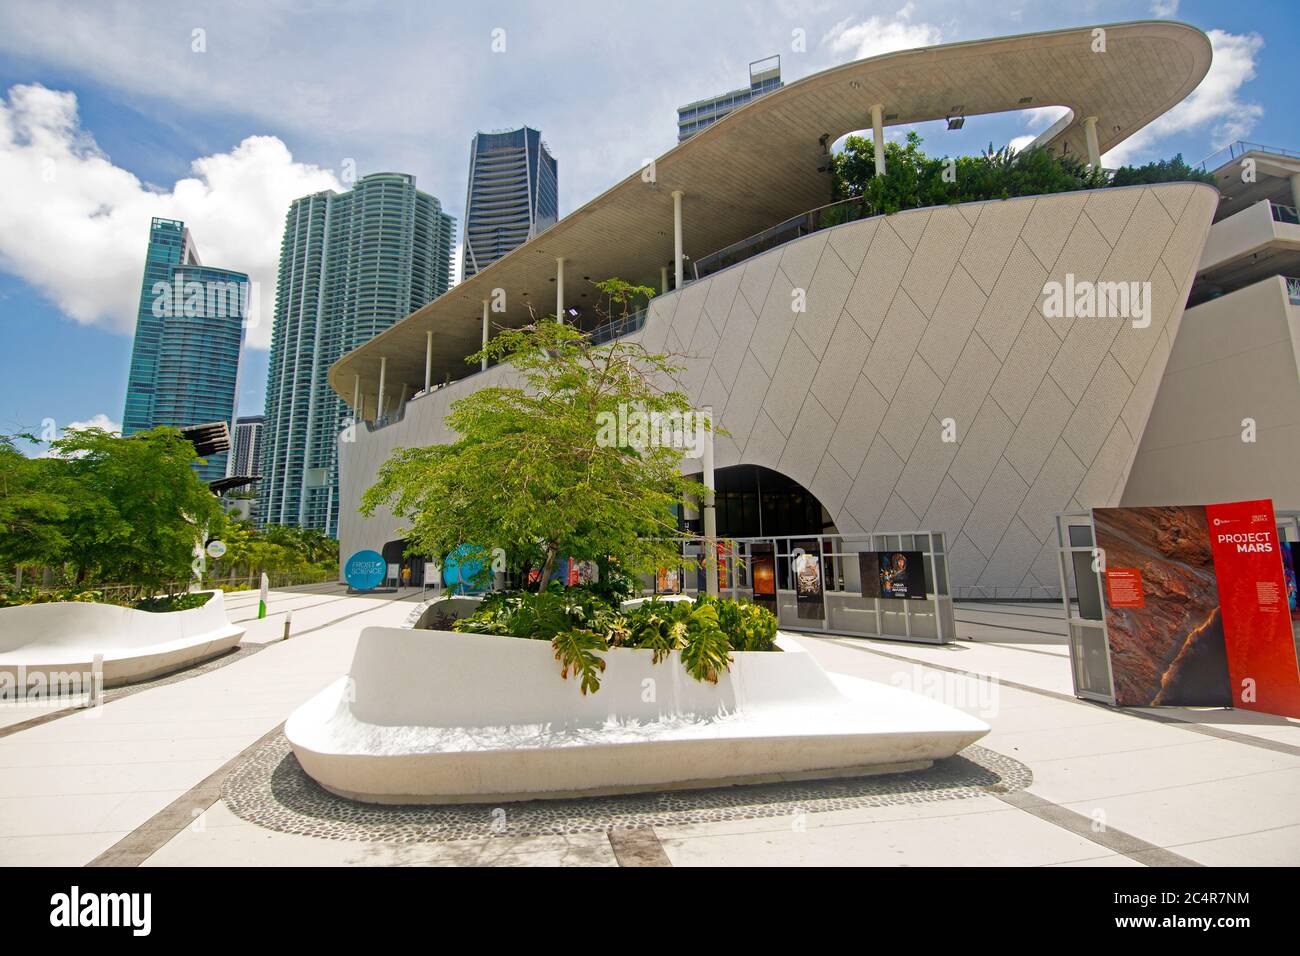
(535, 471)
(136, 507)
(32, 508)
(1164, 171)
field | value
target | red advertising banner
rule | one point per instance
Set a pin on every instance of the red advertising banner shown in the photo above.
(1253, 601)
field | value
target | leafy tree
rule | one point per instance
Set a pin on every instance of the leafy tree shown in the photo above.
(136, 507)
(534, 471)
(1165, 171)
(32, 509)
(914, 180)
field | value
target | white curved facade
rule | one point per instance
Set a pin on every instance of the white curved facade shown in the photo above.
(914, 321)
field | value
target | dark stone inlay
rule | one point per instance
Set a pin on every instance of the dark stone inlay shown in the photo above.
(271, 790)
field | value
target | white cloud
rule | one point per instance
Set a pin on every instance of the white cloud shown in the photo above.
(1042, 117)
(1020, 142)
(877, 35)
(1164, 8)
(95, 421)
(76, 226)
(101, 421)
(1215, 106)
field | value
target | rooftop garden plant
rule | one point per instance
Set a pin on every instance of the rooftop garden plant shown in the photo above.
(914, 180)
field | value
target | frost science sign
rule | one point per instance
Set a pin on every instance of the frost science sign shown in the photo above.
(1196, 607)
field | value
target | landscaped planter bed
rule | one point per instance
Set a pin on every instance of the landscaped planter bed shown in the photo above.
(428, 716)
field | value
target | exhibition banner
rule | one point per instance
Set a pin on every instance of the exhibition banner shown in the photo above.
(1253, 599)
(806, 565)
(1196, 607)
(893, 574)
(1166, 641)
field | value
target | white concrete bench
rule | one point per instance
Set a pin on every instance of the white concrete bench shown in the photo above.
(439, 717)
(62, 638)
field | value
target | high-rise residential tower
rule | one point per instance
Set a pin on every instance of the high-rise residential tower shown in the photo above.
(351, 264)
(764, 77)
(513, 195)
(246, 446)
(188, 336)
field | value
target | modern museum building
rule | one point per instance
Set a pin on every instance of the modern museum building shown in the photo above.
(945, 380)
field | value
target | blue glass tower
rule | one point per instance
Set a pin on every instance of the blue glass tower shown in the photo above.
(513, 195)
(188, 338)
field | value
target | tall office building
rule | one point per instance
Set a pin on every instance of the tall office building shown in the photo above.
(246, 446)
(351, 264)
(513, 195)
(764, 77)
(188, 336)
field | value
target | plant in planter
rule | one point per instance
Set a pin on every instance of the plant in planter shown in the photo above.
(581, 627)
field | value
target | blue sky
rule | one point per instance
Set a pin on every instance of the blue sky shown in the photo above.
(105, 110)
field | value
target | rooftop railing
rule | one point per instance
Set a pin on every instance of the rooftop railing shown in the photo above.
(618, 328)
(600, 335)
(1241, 148)
(823, 217)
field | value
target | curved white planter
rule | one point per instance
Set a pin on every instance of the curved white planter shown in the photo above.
(441, 717)
(63, 638)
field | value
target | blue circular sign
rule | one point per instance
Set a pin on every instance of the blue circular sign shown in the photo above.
(365, 570)
(461, 571)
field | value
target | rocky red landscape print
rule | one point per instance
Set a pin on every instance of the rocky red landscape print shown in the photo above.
(1171, 651)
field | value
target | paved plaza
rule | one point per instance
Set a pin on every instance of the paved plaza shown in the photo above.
(192, 770)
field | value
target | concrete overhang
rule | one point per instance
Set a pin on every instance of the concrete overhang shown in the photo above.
(766, 162)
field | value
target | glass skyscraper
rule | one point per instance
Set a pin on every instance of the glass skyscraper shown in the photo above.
(351, 264)
(513, 195)
(764, 77)
(188, 337)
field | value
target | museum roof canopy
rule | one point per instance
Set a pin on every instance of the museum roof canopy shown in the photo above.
(767, 162)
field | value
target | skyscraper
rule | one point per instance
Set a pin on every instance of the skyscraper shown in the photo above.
(351, 264)
(188, 336)
(513, 195)
(246, 446)
(764, 77)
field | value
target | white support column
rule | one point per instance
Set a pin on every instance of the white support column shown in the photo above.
(483, 364)
(878, 136)
(710, 512)
(663, 279)
(1295, 191)
(383, 371)
(559, 290)
(401, 398)
(356, 397)
(428, 359)
(677, 239)
(1090, 134)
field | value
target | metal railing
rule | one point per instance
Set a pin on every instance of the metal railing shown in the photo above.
(618, 328)
(823, 217)
(1241, 148)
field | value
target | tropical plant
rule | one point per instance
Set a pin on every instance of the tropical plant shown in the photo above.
(581, 626)
(915, 180)
(534, 472)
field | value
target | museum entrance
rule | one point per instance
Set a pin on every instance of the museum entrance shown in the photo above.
(753, 501)
(403, 570)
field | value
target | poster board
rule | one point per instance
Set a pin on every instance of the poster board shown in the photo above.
(806, 570)
(1196, 607)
